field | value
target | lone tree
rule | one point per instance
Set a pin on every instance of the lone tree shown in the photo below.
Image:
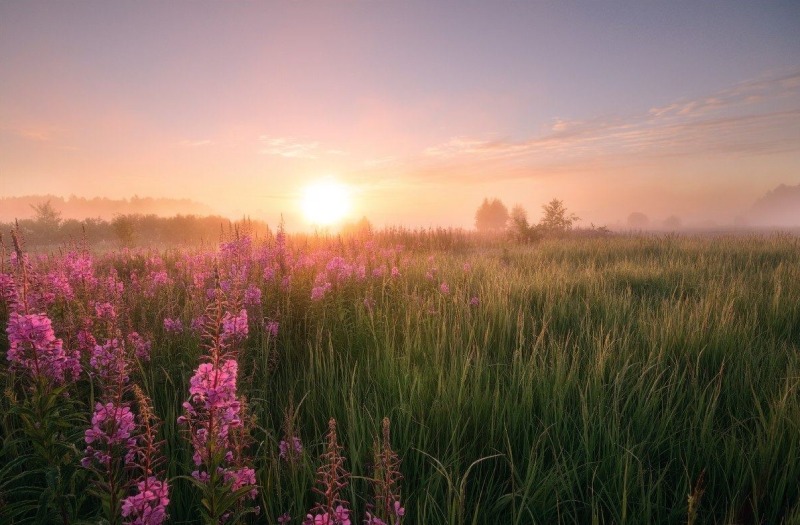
(638, 220)
(491, 216)
(47, 216)
(519, 226)
(556, 218)
(123, 226)
(673, 222)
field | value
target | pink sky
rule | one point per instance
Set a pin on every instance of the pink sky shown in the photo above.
(424, 109)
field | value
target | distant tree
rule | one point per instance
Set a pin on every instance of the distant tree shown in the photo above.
(123, 227)
(491, 216)
(672, 222)
(556, 218)
(46, 216)
(519, 227)
(638, 220)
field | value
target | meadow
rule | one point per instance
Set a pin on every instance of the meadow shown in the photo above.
(626, 379)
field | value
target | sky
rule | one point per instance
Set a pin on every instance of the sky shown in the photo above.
(423, 108)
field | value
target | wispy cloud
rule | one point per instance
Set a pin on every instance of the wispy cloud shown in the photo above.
(742, 94)
(292, 148)
(289, 148)
(35, 133)
(758, 116)
(196, 143)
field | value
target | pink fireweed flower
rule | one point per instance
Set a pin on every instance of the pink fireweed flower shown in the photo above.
(174, 326)
(234, 327)
(342, 515)
(105, 311)
(80, 269)
(283, 447)
(86, 341)
(33, 347)
(239, 478)
(395, 271)
(284, 518)
(110, 362)
(149, 505)
(318, 292)
(252, 296)
(141, 346)
(112, 426)
(272, 328)
(444, 288)
(225, 285)
(214, 387)
(318, 519)
(474, 301)
(155, 281)
(58, 283)
(113, 284)
(198, 323)
(8, 290)
(213, 398)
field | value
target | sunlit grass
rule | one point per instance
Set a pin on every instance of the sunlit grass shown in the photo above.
(597, 380)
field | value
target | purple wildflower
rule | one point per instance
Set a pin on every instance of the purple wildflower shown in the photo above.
(285, 452)
(105, 311)
(242, 477)
(110, 362)
(252, 296)
(174, 326)
(149, 505)
(112, 426)
(8, 290)
(141, 346)
(234, 327)
(33, 347)
(318, 292)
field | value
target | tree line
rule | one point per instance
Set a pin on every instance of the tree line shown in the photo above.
(47, 228)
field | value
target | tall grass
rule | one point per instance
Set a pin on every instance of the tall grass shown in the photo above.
(597, 380)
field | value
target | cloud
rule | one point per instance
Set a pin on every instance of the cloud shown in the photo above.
(289, 148)
(754, 117)
(196, 143)
(742, 94)
(35, 133)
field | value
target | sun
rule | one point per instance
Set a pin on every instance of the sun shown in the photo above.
(325, 202)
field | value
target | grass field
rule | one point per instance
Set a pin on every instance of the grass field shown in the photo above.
(613, 380)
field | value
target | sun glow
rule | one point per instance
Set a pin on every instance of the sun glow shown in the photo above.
(325, 202)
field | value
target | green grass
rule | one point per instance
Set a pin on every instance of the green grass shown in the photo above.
(597, 382)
